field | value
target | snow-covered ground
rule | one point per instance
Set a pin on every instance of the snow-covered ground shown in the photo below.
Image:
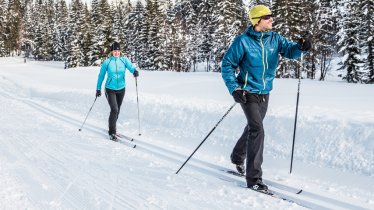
(46, 163)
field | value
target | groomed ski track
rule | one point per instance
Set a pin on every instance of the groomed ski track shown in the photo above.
(306, 199)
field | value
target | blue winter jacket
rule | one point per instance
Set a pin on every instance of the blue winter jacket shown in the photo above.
(115, 69)
(256, 55)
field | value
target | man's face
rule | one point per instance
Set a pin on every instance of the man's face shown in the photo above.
(265, 23)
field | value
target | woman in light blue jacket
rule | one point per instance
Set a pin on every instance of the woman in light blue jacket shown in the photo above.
(115, 68)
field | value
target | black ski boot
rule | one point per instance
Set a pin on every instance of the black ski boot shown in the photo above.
(113, 137)
(239, 167)
(258, 186)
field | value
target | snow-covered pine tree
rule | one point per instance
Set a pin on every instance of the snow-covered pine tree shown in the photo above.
(230, 21)
(298, 20)
(126, 34)
(50, 41)
(206, 32)
(101, 31)
(367, 39)
(169, 36)
(192, 32)
(309, 26)
(74, 55)
(117, 17)
(135, 36)
(178, 38)
(28, 31)
(3, 15)
(86, 35)
(106, 28)
(143, 37)
(95, 50)
(348, 40)
(324, 34)
(39, 19)
(13, 27)
(281, 25)
(291, 19)
(155, 18)
(60, 32)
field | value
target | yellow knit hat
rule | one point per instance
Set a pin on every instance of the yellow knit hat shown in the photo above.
(257, 12)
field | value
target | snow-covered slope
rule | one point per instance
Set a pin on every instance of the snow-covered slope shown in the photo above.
(46, 163)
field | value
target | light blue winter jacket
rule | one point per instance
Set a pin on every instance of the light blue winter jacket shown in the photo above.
(115, 69)
(256, 55)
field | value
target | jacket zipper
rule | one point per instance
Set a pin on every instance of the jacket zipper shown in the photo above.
(117, 73)
(263, 61)
(246, 80)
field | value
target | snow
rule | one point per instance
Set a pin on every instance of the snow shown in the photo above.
(46, 163)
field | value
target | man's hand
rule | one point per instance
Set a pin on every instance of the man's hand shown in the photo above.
(239, 96)
(305, 44)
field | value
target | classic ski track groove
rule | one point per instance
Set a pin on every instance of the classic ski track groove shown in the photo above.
(45, 175)
(214, 170)
(39, 173)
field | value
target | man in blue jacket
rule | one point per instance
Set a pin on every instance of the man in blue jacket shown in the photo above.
(255, 53)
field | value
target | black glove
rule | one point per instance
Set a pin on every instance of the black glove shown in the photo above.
(239, 96)
(136, 73)
(98, 93)
(305, 44)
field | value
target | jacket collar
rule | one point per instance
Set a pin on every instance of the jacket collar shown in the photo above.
(255, 34)
(114, 58)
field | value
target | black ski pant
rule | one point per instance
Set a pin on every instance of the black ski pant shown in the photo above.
(115, 98)
(250, 145)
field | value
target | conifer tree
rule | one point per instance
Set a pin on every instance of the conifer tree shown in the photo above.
(39, 20)
(135, 37)
(325, 31)
(154, 19)
(60, 32)
(105, 28)
(367, 40)
(28, 31)
(192, 31)
(348, 41)
(101, 31)
(86, 35)
(206, 32)
(179, 57)
(126, 29)
(13, 27)
(74, 55)
(50, 42)
(230, 21)
(170, 35)
(2, 27)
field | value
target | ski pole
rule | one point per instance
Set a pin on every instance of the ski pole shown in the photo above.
(80, 129)
(137, 102)
(297, 109)
(206, 137)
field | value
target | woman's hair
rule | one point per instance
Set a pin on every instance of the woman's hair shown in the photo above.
(111, 54)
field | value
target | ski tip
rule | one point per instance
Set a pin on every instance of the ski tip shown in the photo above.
(134, 146)
(300, 191)
(79, 129)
